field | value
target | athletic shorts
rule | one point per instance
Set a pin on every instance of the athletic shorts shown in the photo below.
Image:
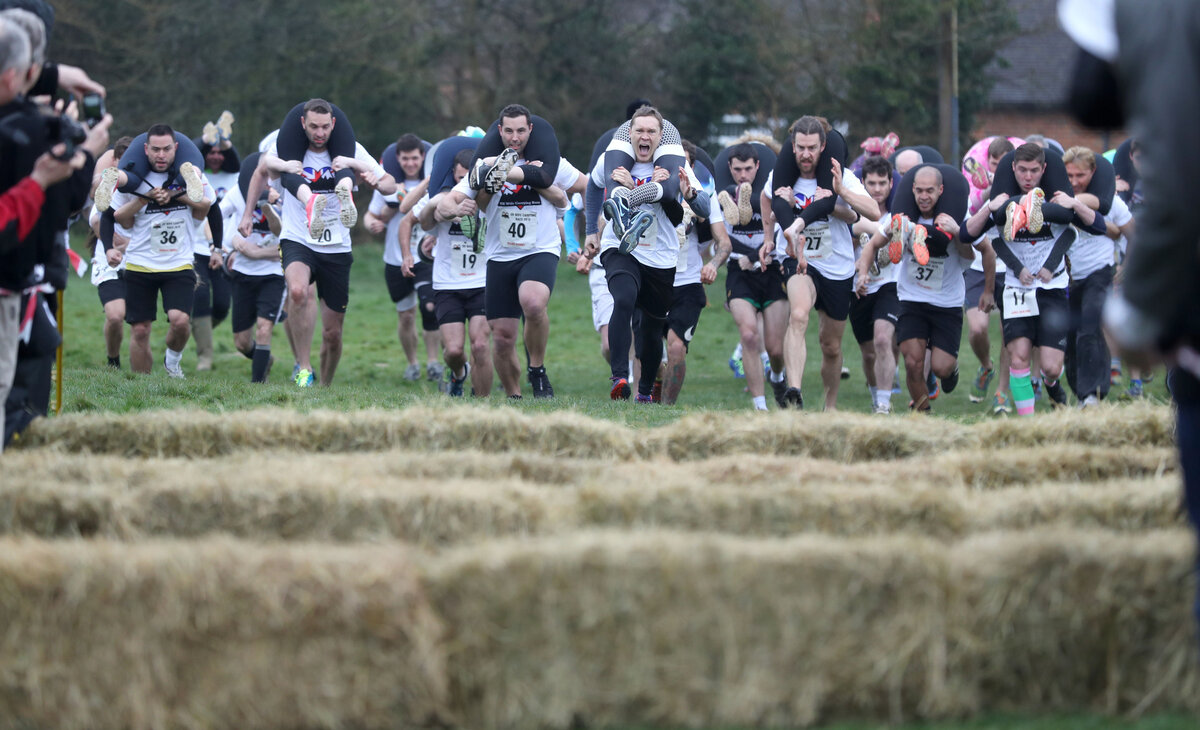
(504, 280)
(833, 295)
(255, 297)
(1051, 325)
(602, 301)
(112, 289)
(758, 287)
(142, 288)
(689, 300)
(974, 281)
(864, 312)
(459, 305)
(941, 327)
(331, 272)
(656, 287)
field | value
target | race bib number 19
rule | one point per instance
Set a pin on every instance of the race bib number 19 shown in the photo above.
(1020, 302)
(464, 262)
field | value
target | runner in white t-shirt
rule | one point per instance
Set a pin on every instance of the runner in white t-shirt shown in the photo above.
(320, 253)
(820, 264)
(109, 278)
(161, 223)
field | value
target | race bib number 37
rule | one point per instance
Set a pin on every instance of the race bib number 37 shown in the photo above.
(929, 276)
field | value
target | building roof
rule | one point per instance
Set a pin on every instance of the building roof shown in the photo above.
(1036, 65)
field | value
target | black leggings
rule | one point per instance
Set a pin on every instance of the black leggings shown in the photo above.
(441, 173)
(542, 146)
(136, 165)
(787, 172)
(669, 155)
(292, 143)
(953, 202)
(624, 290)
(1053, 180)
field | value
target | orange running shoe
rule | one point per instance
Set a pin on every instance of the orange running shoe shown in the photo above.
(919, 249)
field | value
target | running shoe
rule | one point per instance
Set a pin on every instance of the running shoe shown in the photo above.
(638, 224)
(617, 213)
(540, 382)
(1114, 376)
(295, 370)
(845, 373)
(779, 389)
(211, 135)
(735, 364)
(883, 259)
(744, 203)
(474, 228)
(729, 207)
(434, 371)
(639, 398)
(475, 178)
(106, 188)
(1015, 220)
(1135, 389)
(881, 409)
(977, 173)
(1001, 405)
(1058, 396)
(1032, 205)
(620, 389)
(656, 392)
(314, 211)
(919, 250)
(950, 382)
(793, 399)
(495, 176)
(412, 373)
(225, 125)
(304, 378)
(455, 390)
(173, 372)
(898, 228)
(931, 384)
(349, 214)
(1089, 402)
(191, 179)
(983, 381)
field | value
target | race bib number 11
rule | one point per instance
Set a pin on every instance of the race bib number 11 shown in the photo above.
(1019, 302)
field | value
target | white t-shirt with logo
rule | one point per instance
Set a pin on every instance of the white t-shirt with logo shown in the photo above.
(222, 183)
(1090, 253)
(690, 262)
(520, 222)
(319, 174)
(1032, 249)
(162, 238)
(233, 205)
(456, 266)
(887, 274)
(829, 245)
(658, 246)
(939, 282)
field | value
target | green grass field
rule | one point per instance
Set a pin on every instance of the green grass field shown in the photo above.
(370, 373)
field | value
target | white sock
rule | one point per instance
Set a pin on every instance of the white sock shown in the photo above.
(766, 359)
(630, 371)
(883, 398)
(760, 402)
(776, 377)
(173, 358)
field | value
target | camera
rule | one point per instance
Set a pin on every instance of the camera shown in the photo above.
(92, 109)
(54, 129)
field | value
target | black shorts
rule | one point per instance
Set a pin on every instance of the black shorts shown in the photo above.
(941, 327)
(459, 305)
(504, 280)
(399, 286)
(833, 295)
(331, 272)
(883, 304)
(110, 291)
(255, 297)
(142, 288)
(974, 282)
(758, 287)
(1051, 325)
(656, 287)
(686, 305)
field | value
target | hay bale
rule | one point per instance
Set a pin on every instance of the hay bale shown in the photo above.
(215, 634)
(1057, 621)
(200, 434)
(1137, 425)
(1061, 462)
(618, 629)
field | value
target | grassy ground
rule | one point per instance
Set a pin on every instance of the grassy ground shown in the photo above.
(1076, 722)
(370, 373)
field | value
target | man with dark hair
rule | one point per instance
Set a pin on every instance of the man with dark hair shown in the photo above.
(161, 227)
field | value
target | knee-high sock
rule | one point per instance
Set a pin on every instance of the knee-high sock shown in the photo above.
(1021, 386)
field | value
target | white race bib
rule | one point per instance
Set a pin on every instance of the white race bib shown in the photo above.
(818, 244)
(1019, 302)
(647, 239)
(518, 228)
(167, 234)
(331, 216)
(464, 262)
(929, 276)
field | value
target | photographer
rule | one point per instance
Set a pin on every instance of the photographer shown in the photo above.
(45, 171)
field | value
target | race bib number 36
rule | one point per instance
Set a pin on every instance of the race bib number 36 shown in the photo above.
(168, 234)
(1019, 302)
(518, 228)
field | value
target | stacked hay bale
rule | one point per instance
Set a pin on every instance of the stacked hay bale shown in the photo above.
(489, 569)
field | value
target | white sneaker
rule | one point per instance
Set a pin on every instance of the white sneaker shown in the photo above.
(191, 177)
(106, 188)
(176, 372)
(1088, 402)
(349, 215)
(225, 125)
(881, 409)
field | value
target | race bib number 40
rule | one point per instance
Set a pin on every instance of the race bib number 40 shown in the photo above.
(1020, 302)
(168, 234)
(518, 228)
